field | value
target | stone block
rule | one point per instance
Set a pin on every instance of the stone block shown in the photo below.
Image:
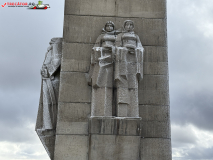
(83, 29)
(90, 7)
(155, 54)
(120, 8)
(152, 32)
(107, 147)
(155, 121)
(74, 88)
(156, 68)
(71, 147)
(86, 29)
(156, 149)
(154, 82)
(154, 113)
(129, 126)
(156, 129)
(154, 89)
(153, 97)
(76, 57)
(73, 118)
(141, 8)
(103, 125)
(115, 126)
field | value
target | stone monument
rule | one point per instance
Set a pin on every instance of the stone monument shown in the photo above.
(112, 101)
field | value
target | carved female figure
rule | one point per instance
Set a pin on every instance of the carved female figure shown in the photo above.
(101, 72)
(128, 71)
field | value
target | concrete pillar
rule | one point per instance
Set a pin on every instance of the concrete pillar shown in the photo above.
(77, 136)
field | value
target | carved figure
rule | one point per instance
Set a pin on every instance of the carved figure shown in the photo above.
(128, 71)
(47, 112)
(116, 67)
(101, 72)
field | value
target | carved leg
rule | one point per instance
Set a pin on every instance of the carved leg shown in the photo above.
(102, 101)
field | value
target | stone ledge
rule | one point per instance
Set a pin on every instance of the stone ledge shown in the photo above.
(115, 126)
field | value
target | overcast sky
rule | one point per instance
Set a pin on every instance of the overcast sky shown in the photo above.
(24, 38)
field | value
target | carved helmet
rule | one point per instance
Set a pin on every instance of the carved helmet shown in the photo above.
(128, 21)
(56, 40)
(109, 22)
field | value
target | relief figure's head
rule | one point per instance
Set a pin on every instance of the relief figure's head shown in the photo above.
(128, 25)
(109, 26)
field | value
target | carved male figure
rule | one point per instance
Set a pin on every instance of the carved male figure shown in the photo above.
(128, 71)
(47, 113)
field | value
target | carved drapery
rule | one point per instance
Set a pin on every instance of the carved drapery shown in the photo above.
(116, 68)
(48, 106)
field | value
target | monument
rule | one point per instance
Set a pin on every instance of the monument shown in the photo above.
(105, 91)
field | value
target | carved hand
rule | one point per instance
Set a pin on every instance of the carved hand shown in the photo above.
(108, 49)
(44, 72)
(131, 50)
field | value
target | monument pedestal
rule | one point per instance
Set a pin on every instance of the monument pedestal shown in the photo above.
(114, 138)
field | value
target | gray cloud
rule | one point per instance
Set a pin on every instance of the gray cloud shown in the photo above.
(190, 63)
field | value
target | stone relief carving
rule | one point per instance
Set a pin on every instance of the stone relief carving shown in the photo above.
(116, 68)
(47, 112)
(101, 72)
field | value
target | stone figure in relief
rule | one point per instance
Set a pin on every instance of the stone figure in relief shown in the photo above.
(101, 72)
(116, 68)
(128, 71)
(47, 112)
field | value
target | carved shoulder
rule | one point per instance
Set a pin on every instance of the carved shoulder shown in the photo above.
(99, 41)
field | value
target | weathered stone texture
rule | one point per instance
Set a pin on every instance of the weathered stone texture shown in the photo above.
(115, 126)
(120, 8)
(154, 97)
(154, 89)
(155, 54)
(90, 7)
(154, 113)
(74, 88)
(155, 149)
(71, 147)
(73, 118)
(103, 125)
(156, 129)
(76, 57)
(83, 29)
(156, 68)
(154, 82)
(156, 121)
(141, 8)
(111, 147)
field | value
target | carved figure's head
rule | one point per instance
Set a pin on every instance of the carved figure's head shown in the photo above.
(56, 40)
(128, 25)
(109, 26)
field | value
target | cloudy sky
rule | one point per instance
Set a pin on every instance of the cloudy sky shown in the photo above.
(24, 38)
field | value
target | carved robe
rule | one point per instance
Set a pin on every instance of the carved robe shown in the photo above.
(48, 106)
(128, 71)
(101, 74)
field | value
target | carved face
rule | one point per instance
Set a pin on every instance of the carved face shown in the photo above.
(109, 27)
(129, 26)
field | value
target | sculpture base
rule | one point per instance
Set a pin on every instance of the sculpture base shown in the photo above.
(114, 138)
(128, 126)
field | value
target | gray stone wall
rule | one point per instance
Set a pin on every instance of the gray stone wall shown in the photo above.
(83, 20)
